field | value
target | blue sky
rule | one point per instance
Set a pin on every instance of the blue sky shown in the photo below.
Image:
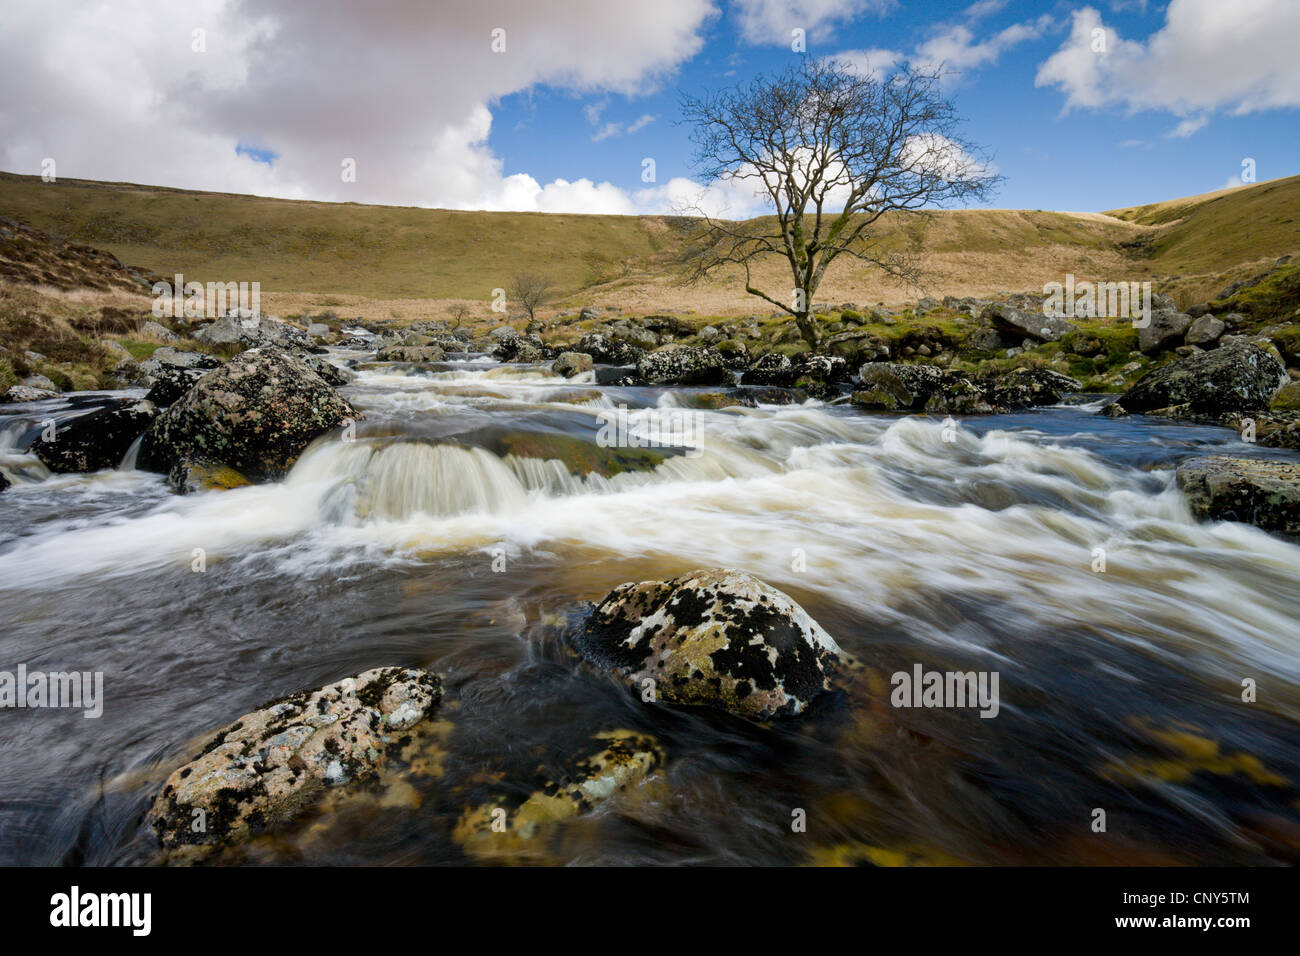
(1051, 157)
(1083, 105)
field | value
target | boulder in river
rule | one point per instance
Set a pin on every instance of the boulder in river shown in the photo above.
(97, 440)
(1259, 491)
(770, 368)
(411, 353)
(896, 386)
(255, 414)
(718, 638)
(187, 477)
(271, 764)
(607, 351)
(1238, 377)
(570, 364)
(684, 365)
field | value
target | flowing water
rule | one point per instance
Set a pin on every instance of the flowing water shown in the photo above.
(421, 541)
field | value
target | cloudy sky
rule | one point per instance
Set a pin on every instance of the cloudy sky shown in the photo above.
(556, 105)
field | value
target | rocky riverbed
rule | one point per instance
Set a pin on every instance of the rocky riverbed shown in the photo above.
(402, 602)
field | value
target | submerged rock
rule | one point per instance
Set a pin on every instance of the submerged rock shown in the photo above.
(270, 765)
(511, 828)
(1232, 378)
(255, 414)
(719, 638)
(1261, 492)
(96, 441)
(187, 477)
(684, 365)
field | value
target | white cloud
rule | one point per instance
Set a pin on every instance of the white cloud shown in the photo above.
(610, 130)
(873, 63)
(955, 48)
(1209, 56)
(1188, 126)
(771, 21)
(403, 87)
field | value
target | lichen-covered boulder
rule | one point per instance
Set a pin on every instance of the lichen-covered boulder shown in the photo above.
(269, 765)
(1255, 490)
(95, 441)
(684, 365)
(255, 414)
(255, 330)
(719, 638)
(1238, 377)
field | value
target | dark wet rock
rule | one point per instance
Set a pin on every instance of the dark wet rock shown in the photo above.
(171, 382)
(1023, 324)
(95, 441)
(749, 396)
(26, 393)
(684, 365)
(718, 638)
(896, 386)
(617, 375)
(1236, 377)
(607, 351)
(1254, 490)
(167, 356)
(1204, 331)
(410, 353)
(255, 414)
(624, 760)
(570, 364)
(1165, 330)
(187, 477)
(333, 374)
(770, 368)
(4, 481)
(1029, 387)
(274, 763)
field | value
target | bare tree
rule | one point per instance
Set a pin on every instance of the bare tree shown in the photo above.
(530, 290)
(832, 150)
(459, 313)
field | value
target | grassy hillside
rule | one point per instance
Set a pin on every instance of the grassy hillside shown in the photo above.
(404, 263)
(1219, 230)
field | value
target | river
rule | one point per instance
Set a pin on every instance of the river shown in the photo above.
(417, 543)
